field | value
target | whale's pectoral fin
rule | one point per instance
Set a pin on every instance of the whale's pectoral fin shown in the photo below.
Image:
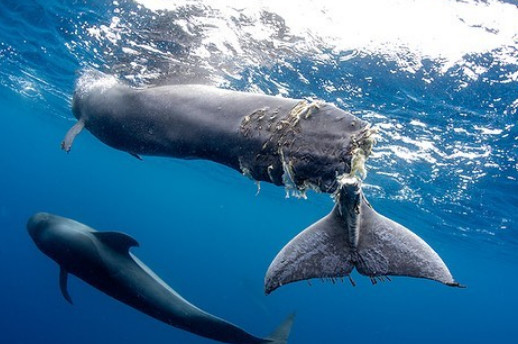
(67, 142)
(320, 251)
(118, 241)
(354, 235)
(63, 282)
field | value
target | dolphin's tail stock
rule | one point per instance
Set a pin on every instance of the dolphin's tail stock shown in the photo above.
(281, 333)
(354, 235)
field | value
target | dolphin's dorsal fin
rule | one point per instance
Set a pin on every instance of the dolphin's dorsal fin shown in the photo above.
(120, 242)
(63, 281)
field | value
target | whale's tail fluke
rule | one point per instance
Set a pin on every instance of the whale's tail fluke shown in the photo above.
(354, 235)
(281, 333)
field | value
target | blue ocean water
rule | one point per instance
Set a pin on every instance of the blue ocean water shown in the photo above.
(445, 165)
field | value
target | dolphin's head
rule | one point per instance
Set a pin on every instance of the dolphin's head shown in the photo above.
(37, 225)
(62, 239)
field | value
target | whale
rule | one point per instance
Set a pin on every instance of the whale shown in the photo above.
(103, 260)
(288, 142)
(299, 144)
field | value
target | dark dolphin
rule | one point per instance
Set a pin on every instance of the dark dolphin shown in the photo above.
(291, 142)
(103, 260)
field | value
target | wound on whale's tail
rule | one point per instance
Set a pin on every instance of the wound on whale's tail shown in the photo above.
(281, 333)
(352, 236)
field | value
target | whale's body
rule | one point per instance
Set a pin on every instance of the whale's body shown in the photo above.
(288, 142)
(272, 139)
(103, 260)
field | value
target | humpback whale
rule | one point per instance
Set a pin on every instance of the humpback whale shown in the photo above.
(299, 144)
(103, 260)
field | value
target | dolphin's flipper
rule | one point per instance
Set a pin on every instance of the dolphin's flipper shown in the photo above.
(354, 235)
(63, 282)
(67, 142)
(281, 333)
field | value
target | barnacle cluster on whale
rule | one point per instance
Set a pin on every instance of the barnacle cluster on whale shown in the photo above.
(283, 147)
(289, 155)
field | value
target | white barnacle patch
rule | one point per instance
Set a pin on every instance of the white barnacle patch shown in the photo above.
(287, 174)
(304, 109)
(255, 121)
(362, 144)
(245, 170)
(288, 179)
(269, 171)
(358, 163)
(286, 128)
(307, 185)
(258, 183)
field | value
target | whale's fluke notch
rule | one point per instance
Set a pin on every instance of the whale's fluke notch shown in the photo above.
(63, 284)
(355, 235)
(281, 333)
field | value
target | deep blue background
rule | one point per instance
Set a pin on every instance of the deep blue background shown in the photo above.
(203, 229)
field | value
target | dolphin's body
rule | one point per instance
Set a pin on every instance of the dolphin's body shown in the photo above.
(103, 260)
(284, 141)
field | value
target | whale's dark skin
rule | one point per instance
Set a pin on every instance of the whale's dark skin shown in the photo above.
(103, 260)
(284, 141)
(259, 135)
